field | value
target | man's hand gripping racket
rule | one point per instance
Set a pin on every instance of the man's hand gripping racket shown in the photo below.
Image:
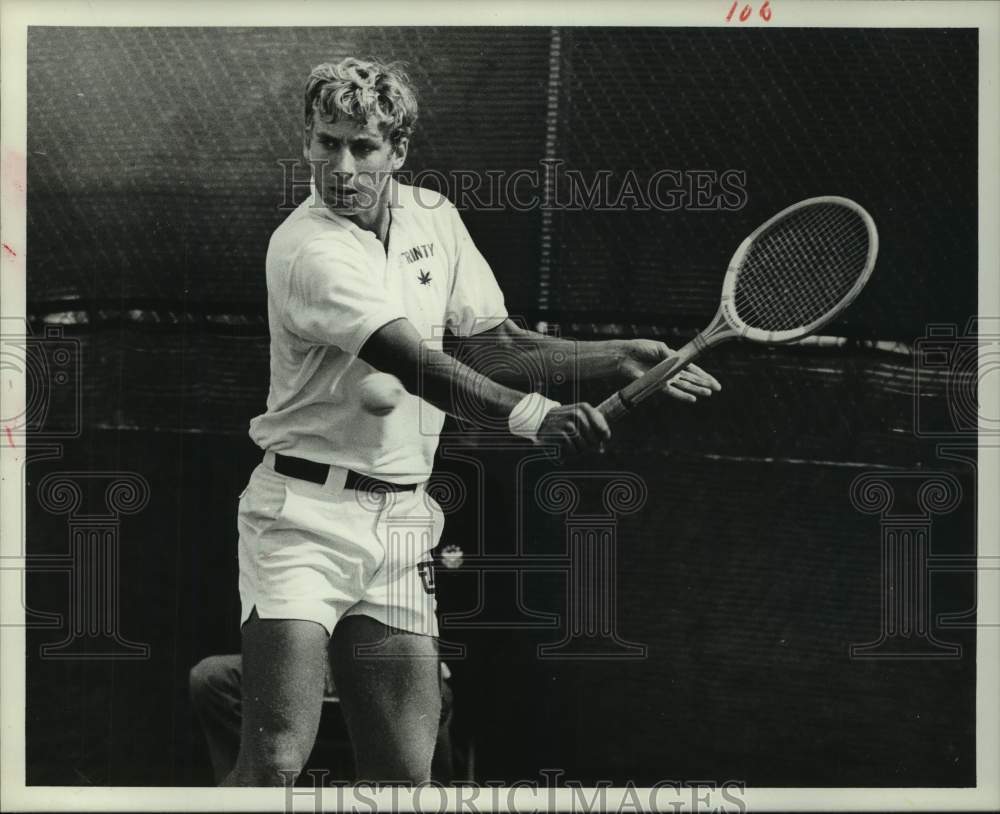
(789, 278)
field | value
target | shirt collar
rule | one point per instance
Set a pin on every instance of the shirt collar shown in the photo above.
(316, 205)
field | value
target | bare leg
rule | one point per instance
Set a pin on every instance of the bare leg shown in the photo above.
(284, 667)
(391, 701)
(215, 684)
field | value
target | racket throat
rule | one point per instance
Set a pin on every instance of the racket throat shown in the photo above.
(722, 327)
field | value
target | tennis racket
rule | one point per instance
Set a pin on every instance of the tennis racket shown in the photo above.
(789, 278)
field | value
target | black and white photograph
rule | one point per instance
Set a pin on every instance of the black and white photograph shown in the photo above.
(495, 408)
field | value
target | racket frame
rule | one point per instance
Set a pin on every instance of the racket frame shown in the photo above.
(726, 324)
(736, 264)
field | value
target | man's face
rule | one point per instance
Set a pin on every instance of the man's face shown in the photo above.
(352, 164)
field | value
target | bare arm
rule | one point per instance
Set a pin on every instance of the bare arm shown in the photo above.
(618, 361)
(437, 378)
(572, 359)
(461, 391)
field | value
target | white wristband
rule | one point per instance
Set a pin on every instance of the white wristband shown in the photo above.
(526, 418)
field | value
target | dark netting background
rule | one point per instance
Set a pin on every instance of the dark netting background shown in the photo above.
(153, 154)
(886, 117)
(153, 188)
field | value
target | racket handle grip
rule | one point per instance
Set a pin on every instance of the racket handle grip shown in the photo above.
(614, 407)
(621, 403)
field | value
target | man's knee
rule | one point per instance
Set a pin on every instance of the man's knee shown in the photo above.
(200, 682)
(212, 679)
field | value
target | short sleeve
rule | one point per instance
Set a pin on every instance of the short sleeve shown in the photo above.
(476, 303)
(334, 298)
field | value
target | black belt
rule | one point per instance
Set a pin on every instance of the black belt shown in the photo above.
(316, 473)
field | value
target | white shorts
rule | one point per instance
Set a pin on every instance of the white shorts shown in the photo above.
(322, 552)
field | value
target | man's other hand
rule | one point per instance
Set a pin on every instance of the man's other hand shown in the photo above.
(574, 428)
(687, 385)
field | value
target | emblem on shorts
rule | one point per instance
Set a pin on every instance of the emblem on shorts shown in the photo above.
(424, 277)
(426, 571)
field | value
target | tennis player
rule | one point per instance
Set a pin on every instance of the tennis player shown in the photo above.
(361, 278)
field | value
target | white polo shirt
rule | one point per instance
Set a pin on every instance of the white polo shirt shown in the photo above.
(330, 286)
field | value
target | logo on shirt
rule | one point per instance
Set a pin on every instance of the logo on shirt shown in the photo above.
(424, 277)
(415, 253)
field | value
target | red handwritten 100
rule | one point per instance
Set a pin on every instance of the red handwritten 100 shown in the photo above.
(747, 10)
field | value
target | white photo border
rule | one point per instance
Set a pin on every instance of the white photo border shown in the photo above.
(17, 15)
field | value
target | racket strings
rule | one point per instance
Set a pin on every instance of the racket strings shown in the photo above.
(786, 260)
(801, 267)
(807, 293)
(810, 237)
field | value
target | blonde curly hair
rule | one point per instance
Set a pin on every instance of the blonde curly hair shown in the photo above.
(364, 90)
